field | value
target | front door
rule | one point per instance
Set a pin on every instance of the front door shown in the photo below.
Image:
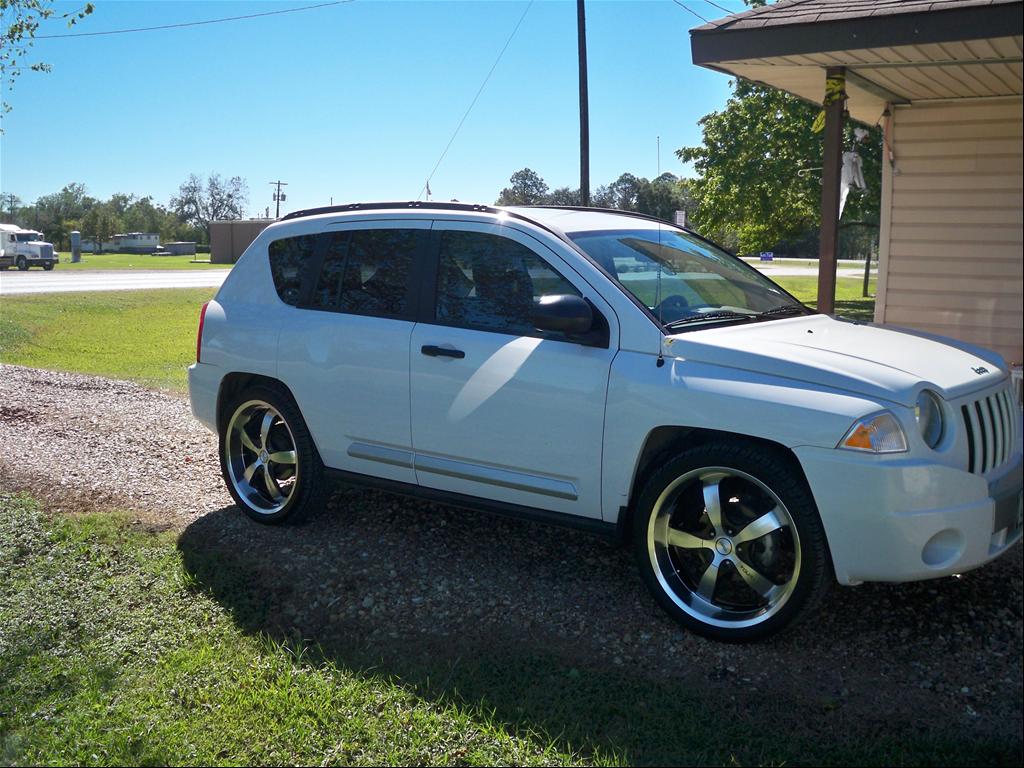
(499, 409)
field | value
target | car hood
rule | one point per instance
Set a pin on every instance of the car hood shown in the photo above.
(881, 362)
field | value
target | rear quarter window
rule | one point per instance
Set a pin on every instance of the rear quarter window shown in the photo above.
(290, 258)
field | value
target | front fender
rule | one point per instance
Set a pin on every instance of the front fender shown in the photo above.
(643, 396)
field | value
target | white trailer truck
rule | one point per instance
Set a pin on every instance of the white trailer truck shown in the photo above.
(24, 248)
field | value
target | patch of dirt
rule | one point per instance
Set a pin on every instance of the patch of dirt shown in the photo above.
(14, 414)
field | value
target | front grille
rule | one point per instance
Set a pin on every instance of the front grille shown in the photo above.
(46, 251)
(991, 426)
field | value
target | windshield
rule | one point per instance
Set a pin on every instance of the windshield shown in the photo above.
(27, 237)
(698, 283)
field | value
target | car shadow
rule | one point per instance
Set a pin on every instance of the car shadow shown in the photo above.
(551, 632)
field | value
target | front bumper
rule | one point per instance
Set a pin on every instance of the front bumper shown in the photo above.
(906, 519)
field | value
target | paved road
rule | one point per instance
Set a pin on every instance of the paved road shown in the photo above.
(37, 281)
(783, 271)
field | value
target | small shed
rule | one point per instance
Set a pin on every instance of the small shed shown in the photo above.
(944, 80)
(229, 239)
(181, 248)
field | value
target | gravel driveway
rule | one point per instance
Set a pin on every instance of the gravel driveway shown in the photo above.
(933, 658)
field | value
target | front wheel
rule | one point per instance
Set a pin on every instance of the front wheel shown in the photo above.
(48, 266)
(270, 464)
(22, 264)
(729, 541)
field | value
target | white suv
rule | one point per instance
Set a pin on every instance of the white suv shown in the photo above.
(607, 371)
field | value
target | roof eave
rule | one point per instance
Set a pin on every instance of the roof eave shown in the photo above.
(717, 45)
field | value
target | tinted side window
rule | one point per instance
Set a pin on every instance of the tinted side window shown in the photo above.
(491, 283)
(289, 259)
(329, 284)
(367, 272)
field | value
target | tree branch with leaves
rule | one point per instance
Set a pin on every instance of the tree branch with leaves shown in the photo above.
(20, 20)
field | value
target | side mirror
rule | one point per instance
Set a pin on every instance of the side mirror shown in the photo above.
(561, 313)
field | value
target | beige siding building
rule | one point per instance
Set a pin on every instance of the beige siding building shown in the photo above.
(951, 245)
(944, 80)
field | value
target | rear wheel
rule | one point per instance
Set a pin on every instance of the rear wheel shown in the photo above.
(729, 541)
(268, 459)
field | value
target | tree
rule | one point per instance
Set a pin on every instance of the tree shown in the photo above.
(100, 224)
(198, 203)
(54, 213)
(759, 170)
(624, 191)
(564, 196)
(663, 197)
(527, 188)
(21, 20)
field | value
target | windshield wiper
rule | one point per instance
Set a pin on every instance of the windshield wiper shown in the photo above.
(786, 309)
(722, 314)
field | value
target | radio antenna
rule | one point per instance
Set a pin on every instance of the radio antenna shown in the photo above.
(657, 298)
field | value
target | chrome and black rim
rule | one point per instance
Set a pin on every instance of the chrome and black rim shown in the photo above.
(724, 547)
(261, 457)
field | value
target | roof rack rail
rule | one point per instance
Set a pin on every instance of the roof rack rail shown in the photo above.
(591, 209)
(408, 204)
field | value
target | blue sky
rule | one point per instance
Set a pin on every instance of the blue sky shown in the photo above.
(355, 101)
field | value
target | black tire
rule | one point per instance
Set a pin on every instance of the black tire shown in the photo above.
(306, 484)
(673, 535)
(48, 266)
(22, 264)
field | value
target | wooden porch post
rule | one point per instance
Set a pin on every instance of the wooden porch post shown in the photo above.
(828, 250)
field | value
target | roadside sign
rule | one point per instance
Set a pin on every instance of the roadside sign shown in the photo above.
(767, 255)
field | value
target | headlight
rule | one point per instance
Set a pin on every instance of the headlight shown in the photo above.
(880, 433)
(928, 411)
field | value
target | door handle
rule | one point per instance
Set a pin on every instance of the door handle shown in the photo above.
(431, 350)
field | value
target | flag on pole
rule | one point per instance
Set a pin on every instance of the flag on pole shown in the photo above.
(429, 193)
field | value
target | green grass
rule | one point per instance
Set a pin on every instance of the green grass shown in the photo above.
(850, 302)
(145, 336)
(111, 653)
(119, 645)
(134, 261)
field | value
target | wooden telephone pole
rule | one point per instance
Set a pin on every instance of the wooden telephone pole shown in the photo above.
(279, 196)
(581, 32)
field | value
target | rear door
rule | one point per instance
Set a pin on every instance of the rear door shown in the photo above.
(499, 409)
(345, 350)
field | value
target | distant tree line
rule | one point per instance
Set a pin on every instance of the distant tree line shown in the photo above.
(660, 197)
(186, 216)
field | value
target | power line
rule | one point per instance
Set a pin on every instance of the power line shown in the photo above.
(687, 8)
(473, 103)
(719, 7)
(193, 23)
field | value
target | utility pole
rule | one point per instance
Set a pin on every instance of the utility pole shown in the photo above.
(581, 32)
(279, 196)
(11, 200)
